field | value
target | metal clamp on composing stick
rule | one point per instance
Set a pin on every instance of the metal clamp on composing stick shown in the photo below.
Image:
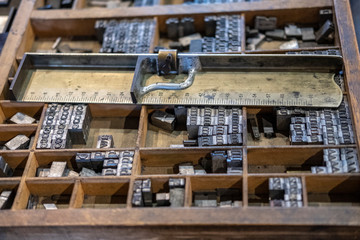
(167, 66)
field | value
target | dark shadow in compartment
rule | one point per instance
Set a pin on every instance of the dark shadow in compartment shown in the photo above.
(105, 195)
(50, 196)
(214, 192)
(16, 162)
(268, 136)
(258, 191)
(327, 191)
(284, 160)
(7, 192)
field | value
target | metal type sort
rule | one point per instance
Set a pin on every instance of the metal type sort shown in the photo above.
(338, 160)
(64, 125)
(21, 118)
(285, 192)
(226, 37)
(5, 169)
(143, 3)
(293, 34)
(6, 199)
(215, 126)
(126, 36)
(143, 194)
(229, 161)
(324, 126)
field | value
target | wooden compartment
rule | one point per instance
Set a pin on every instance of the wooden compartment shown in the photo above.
(159, 184)
(8, 132)
(16, 160)
(120, 121)
(55, 191)
(157, 137)
(107, 193)
(226, 188)
(158, 162)
(284, 160)
(9, 185)
(44, 158)
(9, 109)
(333, 191)
(308, 18)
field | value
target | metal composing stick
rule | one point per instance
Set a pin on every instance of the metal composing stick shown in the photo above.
(204, 79)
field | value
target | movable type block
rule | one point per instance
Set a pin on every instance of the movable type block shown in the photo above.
(86, 172)
(18, 142)
(205, 199)
(276, 188)
(105, 141)
(21, 118)
(176, 183)
(109, 172)
(218, 160)
(308, 34)
(57, 169)
(162, 199)
(199, 170)
(42, 172)
(324, 34)
(147, 192)
(268, 128)
(127, 154)
(50, 206)
(263, 23)
(254, 126)
(83, 160)
(172, 25)
(137, 200)
(111, 163)
(276, 34)
(186, 169)
(163, 120)
(224, 204)
(177, 197)
(196, 46)
(112, 154)
(292, 30)
(73, 174)
(5, 169)
(325, 14)
(6, 198)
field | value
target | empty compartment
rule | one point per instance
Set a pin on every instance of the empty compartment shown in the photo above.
(9, 109)
(49, 195)
(191, 162)
(284, 160)
(258, 191)
(328, 191)
(210, 191)
(16, 161)
(105, 194)
(162, 136)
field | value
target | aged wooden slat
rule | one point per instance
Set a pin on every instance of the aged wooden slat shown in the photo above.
(351, 59)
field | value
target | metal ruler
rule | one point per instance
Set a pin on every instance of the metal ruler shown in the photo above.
(211, 79)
